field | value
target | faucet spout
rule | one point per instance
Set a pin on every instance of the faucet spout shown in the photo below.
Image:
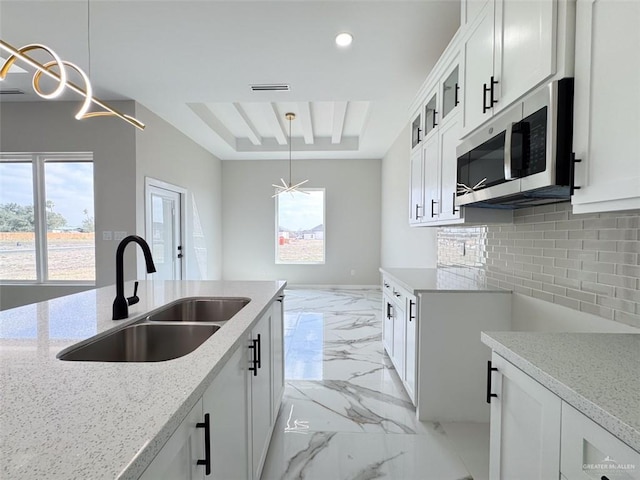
(120, 304)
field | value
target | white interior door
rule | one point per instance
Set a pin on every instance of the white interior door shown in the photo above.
(164, 232)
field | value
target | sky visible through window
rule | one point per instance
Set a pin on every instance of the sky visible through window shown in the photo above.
(69, 186)
(300, 211)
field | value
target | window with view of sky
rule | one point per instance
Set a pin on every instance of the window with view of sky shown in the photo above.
(300, 230)
(64, 196)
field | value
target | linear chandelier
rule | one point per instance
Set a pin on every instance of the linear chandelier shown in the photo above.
(61, 76)
(291, 188)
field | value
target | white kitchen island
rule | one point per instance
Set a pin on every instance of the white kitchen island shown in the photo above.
(104, 420)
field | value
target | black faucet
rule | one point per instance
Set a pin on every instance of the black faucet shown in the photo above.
(121, 304)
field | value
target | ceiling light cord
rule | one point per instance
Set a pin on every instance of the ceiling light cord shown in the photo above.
(290, 177)
(290, 187)
(89, 38)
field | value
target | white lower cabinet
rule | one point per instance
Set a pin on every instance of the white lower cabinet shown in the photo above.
(537, 435)
(399, 333)
(235, 416)
(178, 459)
(277, 356)
(588, 451)
(525, 426)
(260, 392)
(433, 341)
(226, 403)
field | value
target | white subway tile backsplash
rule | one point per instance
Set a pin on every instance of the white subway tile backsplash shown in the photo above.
(585, 262)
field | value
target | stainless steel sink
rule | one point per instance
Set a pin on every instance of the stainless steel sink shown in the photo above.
(200, 309)
(142, 342)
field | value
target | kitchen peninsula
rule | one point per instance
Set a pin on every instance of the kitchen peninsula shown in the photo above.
(77, 420)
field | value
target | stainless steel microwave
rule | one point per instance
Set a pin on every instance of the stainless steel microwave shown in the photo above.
(523, 156)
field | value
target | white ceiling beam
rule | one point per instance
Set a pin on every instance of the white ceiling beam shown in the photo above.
(304, 113)
(321, 144)
(213, 122)
(277, 126)
(253, 135)
(339, 114)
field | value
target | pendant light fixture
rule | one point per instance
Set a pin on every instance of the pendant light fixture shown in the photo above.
(290, 187)
(57, 69)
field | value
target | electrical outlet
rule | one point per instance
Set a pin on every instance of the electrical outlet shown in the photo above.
(353, 272)
(117, 236)
(107, 235)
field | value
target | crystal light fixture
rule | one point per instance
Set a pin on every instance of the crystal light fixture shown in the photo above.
(57, 70)
(290, 187)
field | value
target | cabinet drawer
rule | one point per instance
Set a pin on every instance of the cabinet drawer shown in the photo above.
(590, 452)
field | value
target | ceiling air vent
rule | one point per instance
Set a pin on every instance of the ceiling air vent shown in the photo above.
(271, 88)
(11, 91)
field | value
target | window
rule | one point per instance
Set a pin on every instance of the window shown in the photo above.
(300, 233)
(47, 230)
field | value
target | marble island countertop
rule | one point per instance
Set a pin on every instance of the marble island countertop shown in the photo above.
(597, 373)
(417, 280)
(79, 420)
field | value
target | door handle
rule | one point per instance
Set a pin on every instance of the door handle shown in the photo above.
(454, 210)
(207, 444)
(489, 370)
(254, 360)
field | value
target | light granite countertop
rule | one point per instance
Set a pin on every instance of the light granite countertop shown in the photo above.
(417, 280)
(597, 373)
(94, 420)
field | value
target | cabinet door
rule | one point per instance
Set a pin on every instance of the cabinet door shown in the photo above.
(387, 325)
(277, 355)
(416, 131)
(525, 426)
(431, 115)
(431, 178)
(449, 139)
(450, 92)
(261, 411)
(606, 115)
(416, 193)
(178, 459)
(478, 69)
(226, 402)
(398, 337)
(589, 451)
(524, 47)
(410, 357)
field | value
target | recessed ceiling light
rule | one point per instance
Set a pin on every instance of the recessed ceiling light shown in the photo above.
(344, 39)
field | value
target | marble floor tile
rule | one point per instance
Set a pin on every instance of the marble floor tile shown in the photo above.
(358, 456)
(345, 413)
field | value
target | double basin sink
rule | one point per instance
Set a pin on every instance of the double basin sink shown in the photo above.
(170, 332)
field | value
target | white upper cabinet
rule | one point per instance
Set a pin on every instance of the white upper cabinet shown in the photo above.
(607, 106)
(509, 48)
(478, 48)
(524, 47)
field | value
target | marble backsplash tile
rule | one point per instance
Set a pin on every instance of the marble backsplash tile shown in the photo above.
(588, 262)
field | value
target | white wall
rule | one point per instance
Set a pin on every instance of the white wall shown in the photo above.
(164, 153)
(402, 245)
(352, 221)
(51, 127)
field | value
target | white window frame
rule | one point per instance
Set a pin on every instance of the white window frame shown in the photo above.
(38, 161)
(324, 223)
